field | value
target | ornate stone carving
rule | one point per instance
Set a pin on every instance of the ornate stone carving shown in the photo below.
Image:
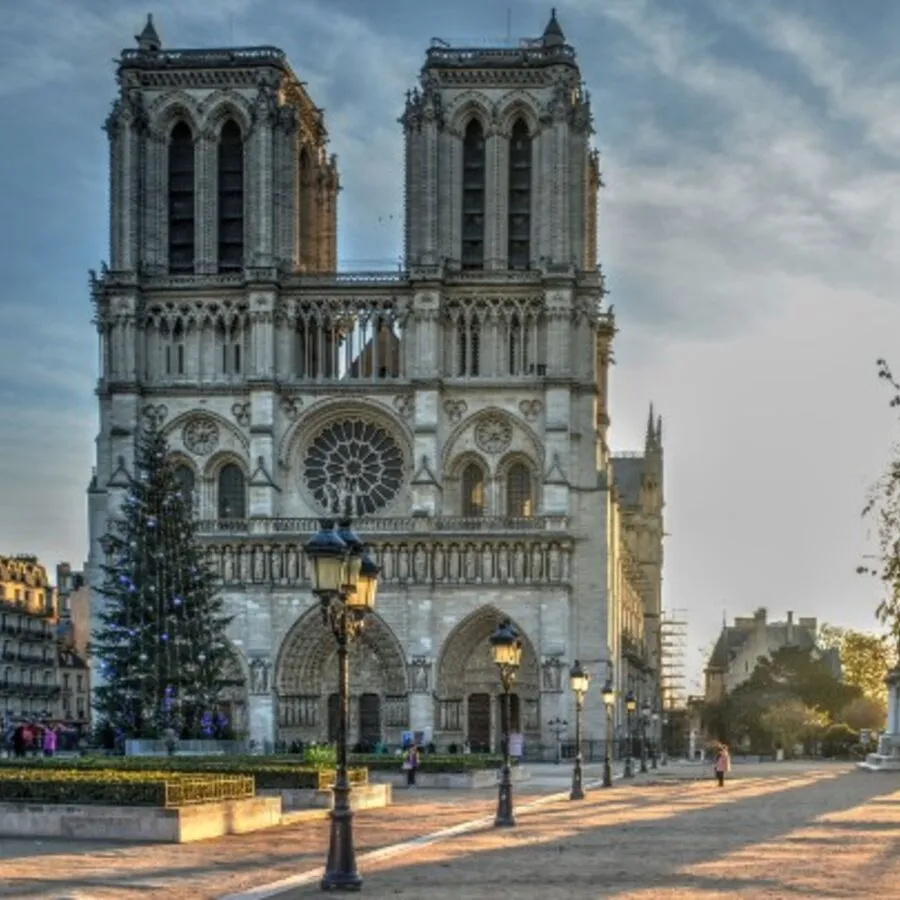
(493, 434)
(155, 415)
(201, 435)
(420, 675)
(551, 674)
(290, 407)
(455, 409)
(405, 404)
(530, 409)
(260, 676)
(241, 413)
(353, 462)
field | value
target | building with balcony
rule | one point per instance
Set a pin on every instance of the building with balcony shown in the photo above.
(28, 640)
(459, 407)
(74, 639)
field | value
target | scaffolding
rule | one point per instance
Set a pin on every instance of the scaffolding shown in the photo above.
(673, 659)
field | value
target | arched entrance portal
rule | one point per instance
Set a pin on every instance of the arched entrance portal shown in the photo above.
(468, 686)
(306, 684)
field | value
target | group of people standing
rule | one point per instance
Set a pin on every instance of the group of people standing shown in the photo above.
(31, 738)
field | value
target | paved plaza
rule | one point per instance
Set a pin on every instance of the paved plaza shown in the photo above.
(775, 831)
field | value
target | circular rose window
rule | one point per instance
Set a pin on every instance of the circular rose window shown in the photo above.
(353, 463)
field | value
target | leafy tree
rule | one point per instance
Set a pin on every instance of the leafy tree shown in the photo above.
(863, 713)
(162, 648)
(883, 505)
(790, 721)
(866, 659)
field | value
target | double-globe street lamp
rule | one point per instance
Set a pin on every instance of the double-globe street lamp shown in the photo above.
(609, 700)
(345, 580)
(506, 646)
(579, 681)
(630, 707)
(558, 727)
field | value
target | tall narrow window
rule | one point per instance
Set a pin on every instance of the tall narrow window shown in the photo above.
(462, 347)
(181, 199)
(519, 249)
(474, 346)
(185, 478)
(519, 502)
(473, 207)
(232, 493)
(472, 491)
(231, 198)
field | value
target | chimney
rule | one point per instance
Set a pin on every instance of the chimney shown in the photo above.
(790, 628)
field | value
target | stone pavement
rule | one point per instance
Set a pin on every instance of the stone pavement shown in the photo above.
(665, 836)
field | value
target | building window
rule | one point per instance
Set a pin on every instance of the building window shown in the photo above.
(519, 238)
(468, 333)
(181, 199)
(231, 198)
(232, 493)
(519, 502)
(473, 200)
(184, 475)
(473, 491)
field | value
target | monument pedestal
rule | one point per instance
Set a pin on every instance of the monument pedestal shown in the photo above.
(887, 759)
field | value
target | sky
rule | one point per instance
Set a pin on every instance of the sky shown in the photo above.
(748, 232)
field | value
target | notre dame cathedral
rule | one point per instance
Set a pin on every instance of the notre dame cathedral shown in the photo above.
(461, 403)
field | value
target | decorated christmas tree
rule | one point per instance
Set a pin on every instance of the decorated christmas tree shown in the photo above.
(161, 647)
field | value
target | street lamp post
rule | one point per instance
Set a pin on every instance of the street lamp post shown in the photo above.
(345, 581)
(579, 681)
(665, 740)
(609, 699)
(654, 718)
(558, 726)
(630, 707)
(506, 646)
(645, 721)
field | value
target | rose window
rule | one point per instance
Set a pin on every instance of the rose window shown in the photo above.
(353, 464)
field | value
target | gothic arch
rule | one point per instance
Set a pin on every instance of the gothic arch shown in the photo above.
(465, 663)
(224, 105)
(524, 440)
(518, 106)
(228, 428)
(178, 458)
(166, 112)
(458, 464)
(221, 458)
(470, 105)
(306, 664)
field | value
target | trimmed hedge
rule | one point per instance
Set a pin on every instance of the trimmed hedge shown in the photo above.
(430, 763)
(106, 787)
(276, 773)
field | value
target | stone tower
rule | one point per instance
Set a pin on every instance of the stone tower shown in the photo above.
(461, 405)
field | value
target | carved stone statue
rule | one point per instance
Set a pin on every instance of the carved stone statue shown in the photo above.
(421, 671)
(552, 675)
(259, 676)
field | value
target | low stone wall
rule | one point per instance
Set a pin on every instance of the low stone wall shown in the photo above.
(454, 781)
(137, 823)
(148, 747)
(368, 796)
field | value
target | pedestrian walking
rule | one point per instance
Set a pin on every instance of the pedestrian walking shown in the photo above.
(49, 741)
(722, 764)
(410, 764)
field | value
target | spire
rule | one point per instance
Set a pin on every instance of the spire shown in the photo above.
(659, 431)
(553, 33)
(148, 40)
(650, 436)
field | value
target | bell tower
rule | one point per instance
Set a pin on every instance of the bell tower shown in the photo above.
(500, 173)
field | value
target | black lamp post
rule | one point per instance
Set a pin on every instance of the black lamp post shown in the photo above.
(506, 646)
(558, 726)
(645, 721)
(345, 580)
(579, 681)
(630, 707)
(654, 719)
(609, 699)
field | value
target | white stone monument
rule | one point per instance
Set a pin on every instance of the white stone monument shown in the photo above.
(888, 756)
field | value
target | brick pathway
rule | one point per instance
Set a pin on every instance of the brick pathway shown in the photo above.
(774, 832)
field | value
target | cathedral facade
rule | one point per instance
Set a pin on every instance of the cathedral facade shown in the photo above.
(460, 406)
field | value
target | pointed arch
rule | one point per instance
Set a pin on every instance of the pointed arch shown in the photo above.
(473, 480)
(172, 108)
(230, 196)
(181, 198)
(465, 664)
(474, 191)
(520, 195)
(223, 106)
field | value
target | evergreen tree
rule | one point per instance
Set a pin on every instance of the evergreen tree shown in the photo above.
(162, 647)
